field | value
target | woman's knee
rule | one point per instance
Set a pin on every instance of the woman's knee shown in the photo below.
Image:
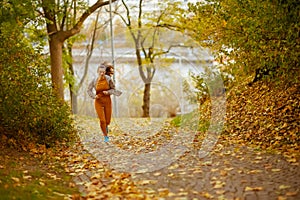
(103, 122)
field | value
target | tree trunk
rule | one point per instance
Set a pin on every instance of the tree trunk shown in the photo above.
(56, 65)
(73, 91)
(146, 100)
(74, 102)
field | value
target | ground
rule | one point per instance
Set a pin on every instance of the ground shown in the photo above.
(230, 171)
(136, 165)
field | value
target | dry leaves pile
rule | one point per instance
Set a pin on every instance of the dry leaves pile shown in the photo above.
(264, 115)
(138, 143)
(267, 116)
(97, 180)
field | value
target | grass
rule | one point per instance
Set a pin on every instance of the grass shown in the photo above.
(192, 121)
(25, 175)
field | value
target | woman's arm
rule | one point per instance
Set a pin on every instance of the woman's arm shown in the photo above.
(112, 89)
(91, 88)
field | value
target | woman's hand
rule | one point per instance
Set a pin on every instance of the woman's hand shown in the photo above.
(96, 97)
(105, 92)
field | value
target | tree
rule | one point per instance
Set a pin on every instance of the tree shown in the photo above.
(260, 37)
(146, 34)
(56, 15)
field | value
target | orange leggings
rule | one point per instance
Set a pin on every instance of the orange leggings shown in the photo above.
(104, 110)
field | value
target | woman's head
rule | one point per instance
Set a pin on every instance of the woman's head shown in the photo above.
(101, 70)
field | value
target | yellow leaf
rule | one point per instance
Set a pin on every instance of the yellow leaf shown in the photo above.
(150, 191)
(27, 177)
(223, 173)
(182, 194)
(281, 198)
(292, 160)
(163, 191)
(276, 170)
(219, 192)
(291, 193)
(253, 188)
(173, 166)
(145, 182)
(17, 180)
(207, 195)
(219, 184)
(229, 169)
(282, 187)
(157, 174)
(255, 171)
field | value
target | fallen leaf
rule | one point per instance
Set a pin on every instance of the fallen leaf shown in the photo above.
(157, 174)
(163, 191)
(214, 170)
(145, 182)
(219, 192)
(253, 188)
(255, 171)
(27, 177)
(283, 187)
(228, 169)
(59, 194)
(17, 180)
(276, 170)
(292, 160)
(219, 184)
(207, 195)
(223, 173)
(173, 166)
(291, 193)
(281, 198)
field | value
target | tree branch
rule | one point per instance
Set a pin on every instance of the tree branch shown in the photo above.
(169, 49)
(84, 16)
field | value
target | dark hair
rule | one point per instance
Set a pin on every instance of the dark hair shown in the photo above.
(108, 70)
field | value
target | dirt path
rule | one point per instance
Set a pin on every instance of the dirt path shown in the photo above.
(166, 165)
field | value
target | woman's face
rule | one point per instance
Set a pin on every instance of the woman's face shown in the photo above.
(101, 71)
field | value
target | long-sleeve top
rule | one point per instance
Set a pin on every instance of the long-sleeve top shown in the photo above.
(112, 91)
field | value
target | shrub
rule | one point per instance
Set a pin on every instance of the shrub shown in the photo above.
(28, 108)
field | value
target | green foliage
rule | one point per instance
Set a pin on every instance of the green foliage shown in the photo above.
(28, 109)
(210, 83)
(257, 35)
(176, 121)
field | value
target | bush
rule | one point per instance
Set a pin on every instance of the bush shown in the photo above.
(259, 38)
(28, 108)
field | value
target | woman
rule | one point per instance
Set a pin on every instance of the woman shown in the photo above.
(104, 87)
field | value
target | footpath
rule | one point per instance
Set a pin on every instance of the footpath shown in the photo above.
(164, 164)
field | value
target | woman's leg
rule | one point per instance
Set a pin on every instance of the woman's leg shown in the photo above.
(108, 112)
(101, 115)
